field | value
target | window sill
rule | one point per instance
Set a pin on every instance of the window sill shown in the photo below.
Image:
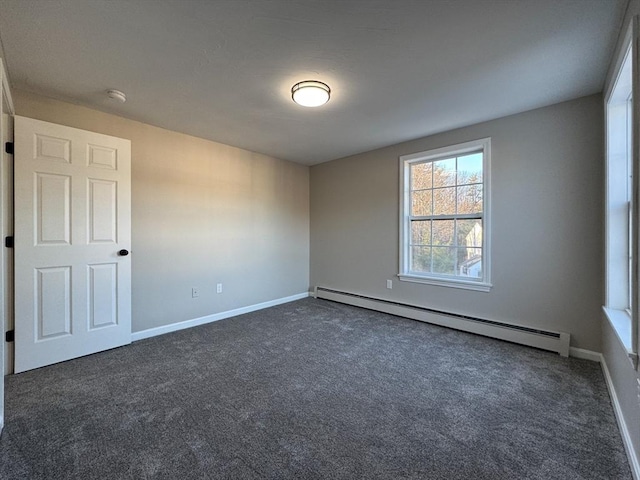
(620, 321)
(442, 282)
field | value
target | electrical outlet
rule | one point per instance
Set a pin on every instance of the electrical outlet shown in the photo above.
(389, 284)
(219, 288)
(195, 292)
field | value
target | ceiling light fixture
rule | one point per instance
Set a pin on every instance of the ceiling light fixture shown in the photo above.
(310, 93)
(117, 95)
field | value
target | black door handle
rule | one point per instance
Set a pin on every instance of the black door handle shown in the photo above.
(123, 252)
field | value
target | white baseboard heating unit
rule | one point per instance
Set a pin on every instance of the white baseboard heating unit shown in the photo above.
(533, 337)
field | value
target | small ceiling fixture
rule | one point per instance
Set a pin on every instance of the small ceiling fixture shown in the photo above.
(117, 95)
(310, 93)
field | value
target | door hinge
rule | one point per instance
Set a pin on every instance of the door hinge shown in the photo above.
(8, 242)
(8, 147)
(10, 336)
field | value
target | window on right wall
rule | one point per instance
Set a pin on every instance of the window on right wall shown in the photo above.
(621, 278)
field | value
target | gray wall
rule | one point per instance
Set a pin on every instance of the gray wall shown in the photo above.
(202, 213)
(623, 379)
(547, 194)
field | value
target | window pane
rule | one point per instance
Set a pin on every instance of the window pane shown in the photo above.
(470, 199)
(443, 232)
(444, 260)
(469, 233)
(421, 203)
(421, 176)
(444, 201)
(421, 232)
(421, 259)
(470, 262)
(470, 169)
(444, 173)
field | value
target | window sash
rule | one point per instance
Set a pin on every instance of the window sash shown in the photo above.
(454, 245)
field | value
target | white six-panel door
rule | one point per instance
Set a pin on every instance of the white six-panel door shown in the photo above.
(72, 236)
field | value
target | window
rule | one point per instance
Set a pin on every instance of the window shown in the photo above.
(444, 231)
(621, 280)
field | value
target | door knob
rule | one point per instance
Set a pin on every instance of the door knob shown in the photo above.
(123, 252)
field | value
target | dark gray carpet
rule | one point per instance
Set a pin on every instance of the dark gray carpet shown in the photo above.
(313, 389)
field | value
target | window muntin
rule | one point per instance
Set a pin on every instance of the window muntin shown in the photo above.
(444, 216)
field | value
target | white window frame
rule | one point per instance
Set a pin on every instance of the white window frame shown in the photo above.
(621, 223)
(405, 274)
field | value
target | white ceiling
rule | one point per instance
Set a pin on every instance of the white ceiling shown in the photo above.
(398, 69)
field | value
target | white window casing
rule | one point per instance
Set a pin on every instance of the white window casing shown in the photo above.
(474, 273)
(621, 197)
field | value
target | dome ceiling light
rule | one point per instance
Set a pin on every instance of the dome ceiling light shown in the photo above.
(117, 95)
(310, 93)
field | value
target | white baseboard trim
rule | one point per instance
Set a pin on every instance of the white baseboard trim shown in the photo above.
(585, 354)
(174, 327)
(622, 425)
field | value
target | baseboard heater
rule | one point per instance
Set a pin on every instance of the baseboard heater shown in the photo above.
(533, 337)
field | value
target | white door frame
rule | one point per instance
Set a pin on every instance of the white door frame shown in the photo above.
(6, 223)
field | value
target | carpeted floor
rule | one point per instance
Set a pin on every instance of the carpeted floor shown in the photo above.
(313, 389)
